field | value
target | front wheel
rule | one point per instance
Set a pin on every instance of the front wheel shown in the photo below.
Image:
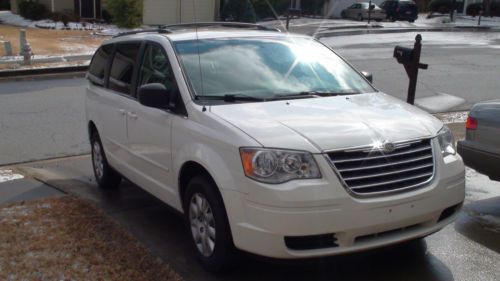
(360, 17)
(208, 225)
(105, 175)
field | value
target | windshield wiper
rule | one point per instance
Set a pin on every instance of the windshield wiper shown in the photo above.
(325, 93)
(231, 98)
(309, 94)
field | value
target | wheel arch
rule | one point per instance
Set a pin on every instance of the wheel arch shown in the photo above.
(189, 170)
(92, 128)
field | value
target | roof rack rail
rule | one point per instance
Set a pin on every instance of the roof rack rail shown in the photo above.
(218, 23)
(158, 30)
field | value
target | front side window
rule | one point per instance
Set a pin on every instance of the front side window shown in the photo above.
(97, 68)
(156, 68)
(122, 68)
(266, 67)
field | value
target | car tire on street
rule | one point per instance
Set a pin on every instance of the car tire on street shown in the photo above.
(106, 177)
(207, 222)
(360, 17)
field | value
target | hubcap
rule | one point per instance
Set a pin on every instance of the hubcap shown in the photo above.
(202, 224)
(97, 160)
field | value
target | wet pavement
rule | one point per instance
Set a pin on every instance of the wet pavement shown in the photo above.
(468, 249)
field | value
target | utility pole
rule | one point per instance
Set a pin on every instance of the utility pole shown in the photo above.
(369, 11)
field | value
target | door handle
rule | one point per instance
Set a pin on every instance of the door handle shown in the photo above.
(132, 115)
(122, 111)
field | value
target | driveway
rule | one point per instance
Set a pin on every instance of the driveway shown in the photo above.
(466, 250)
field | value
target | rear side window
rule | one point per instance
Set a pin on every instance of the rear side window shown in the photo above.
(97, 68)
(122, 68)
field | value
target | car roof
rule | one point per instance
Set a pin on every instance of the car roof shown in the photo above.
(185, 32)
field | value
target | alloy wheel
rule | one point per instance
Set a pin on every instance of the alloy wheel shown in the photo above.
(202, 224)
(97, 160)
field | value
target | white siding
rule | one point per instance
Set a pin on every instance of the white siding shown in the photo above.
(205, 10)
(157, 12)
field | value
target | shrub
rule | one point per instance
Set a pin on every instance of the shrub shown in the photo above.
(32, 10)
(125, 13)
(444, 6)
(106, 16)
(474, 8)
(495, 9)
(4, 5)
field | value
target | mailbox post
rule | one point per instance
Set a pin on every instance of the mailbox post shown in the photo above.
(290, 14)
(410, 59)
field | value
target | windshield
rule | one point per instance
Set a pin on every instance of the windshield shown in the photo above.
(265, 67)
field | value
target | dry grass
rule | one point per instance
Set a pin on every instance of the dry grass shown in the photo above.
(51, 42)
(69, 239)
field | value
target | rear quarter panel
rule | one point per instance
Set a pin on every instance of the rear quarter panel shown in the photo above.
(487, 135)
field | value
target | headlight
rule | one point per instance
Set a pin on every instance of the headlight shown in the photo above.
(446, 141)
(278, 166)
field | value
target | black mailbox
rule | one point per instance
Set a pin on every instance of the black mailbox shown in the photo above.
(403, 55)
(410, 59)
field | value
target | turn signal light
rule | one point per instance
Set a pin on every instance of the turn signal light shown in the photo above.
(471, 123)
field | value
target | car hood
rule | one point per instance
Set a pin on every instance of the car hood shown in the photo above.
(319, 124)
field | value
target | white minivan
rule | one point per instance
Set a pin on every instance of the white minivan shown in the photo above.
(269, 143)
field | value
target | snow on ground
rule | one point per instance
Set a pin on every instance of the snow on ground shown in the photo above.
(479, 186)
(8, 175)
(7, 17)
(429, 38)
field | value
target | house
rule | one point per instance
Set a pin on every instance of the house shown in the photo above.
(158, 12)
(155, 12)
(90, 9)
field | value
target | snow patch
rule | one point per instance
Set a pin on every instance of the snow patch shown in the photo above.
(7, 17)
(479, 187)
(8, 175)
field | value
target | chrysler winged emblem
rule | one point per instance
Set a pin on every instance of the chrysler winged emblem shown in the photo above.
(388, 147)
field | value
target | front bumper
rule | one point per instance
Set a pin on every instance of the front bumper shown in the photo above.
(263, 220)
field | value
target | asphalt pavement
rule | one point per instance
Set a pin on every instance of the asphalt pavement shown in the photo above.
(468, 249)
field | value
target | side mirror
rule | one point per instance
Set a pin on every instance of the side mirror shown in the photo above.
(372, 7)
(368, 76)
(154, 95)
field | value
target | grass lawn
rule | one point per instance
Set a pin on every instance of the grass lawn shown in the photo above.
(51, 42)
(69, 239)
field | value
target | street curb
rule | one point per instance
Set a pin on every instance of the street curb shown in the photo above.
(45, 70)
(336, 32)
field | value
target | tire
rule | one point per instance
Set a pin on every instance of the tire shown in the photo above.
(105, 176)
(210, 233)
(342, 15)
(360, 17)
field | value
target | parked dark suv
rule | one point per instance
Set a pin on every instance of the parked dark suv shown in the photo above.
(400, 10)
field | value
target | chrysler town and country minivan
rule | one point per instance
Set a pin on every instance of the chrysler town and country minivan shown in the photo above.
(269, 143)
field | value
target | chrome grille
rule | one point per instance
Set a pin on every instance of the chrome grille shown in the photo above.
(371, 170)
